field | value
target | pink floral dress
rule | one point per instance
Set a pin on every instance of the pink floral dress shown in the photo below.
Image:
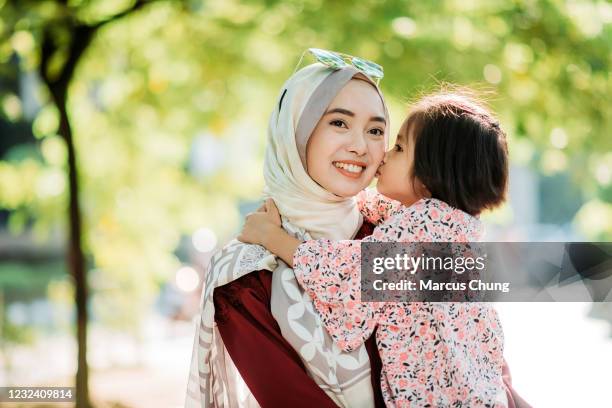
(433, 354)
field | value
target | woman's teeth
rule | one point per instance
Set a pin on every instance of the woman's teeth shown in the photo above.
(353, 168)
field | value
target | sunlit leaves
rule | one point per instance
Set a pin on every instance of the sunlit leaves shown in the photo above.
(11, 107)
(46, 122)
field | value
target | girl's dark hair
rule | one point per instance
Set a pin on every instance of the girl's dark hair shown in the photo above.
(460, 151)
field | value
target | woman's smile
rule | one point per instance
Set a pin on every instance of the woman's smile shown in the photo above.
(350, 168)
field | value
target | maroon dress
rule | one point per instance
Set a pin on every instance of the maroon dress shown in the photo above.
(271, 368)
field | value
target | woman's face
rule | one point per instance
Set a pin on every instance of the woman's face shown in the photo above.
(348, 144)
(395, 174)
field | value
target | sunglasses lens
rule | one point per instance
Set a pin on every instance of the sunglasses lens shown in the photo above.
(369, 68)
(328, 58)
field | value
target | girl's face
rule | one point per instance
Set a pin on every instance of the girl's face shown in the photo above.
(348, 144)
(395, 174)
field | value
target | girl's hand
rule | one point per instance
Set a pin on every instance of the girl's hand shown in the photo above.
(261, 225)
(264, 228)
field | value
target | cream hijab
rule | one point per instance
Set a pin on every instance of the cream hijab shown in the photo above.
(300, 105)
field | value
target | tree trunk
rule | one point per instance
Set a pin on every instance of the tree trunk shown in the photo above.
(81, 36)
(76, 259)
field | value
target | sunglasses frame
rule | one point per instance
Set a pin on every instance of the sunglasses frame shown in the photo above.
(339, 60)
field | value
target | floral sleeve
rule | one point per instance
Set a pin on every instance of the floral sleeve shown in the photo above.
(375, 207)
(329, 271)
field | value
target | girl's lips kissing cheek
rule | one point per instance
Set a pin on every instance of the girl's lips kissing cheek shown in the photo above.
(349, 168)
(377, 174)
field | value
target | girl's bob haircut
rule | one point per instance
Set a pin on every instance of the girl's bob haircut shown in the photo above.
(460, 152)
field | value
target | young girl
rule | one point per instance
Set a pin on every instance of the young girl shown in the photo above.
(449, 164)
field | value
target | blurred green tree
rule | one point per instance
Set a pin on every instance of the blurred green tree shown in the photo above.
(63, 32)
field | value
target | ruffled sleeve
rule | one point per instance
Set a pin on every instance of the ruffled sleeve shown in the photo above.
(375, 207)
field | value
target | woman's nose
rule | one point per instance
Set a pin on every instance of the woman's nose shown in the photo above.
(358, 144)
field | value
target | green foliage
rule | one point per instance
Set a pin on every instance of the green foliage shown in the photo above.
(18, 277)
(13, 334)
(151, 82)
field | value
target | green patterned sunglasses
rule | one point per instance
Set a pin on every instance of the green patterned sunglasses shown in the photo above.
(339, 60)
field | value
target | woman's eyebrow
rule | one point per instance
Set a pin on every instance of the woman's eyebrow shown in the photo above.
(340, 110)
(351, 114)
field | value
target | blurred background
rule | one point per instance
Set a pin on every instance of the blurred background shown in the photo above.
(131, 142)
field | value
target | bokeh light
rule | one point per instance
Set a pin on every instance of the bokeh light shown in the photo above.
(187, 279)
(204, 240)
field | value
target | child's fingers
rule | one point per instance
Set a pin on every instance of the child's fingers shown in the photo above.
(272, 212)
(271, 208)
(262, 208)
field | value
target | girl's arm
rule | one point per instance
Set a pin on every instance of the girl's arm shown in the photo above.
(332, 284)
(281, 244)
(375, 207)
(329, 271)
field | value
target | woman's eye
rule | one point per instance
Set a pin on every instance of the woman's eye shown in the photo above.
(377, 132)
(398, 148)
(338, 123)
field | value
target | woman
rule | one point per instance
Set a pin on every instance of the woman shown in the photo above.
(332, 122)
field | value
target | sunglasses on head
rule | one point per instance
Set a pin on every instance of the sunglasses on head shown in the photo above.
(339, 60)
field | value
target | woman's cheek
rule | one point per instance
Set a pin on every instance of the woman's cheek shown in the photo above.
(378, 152)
